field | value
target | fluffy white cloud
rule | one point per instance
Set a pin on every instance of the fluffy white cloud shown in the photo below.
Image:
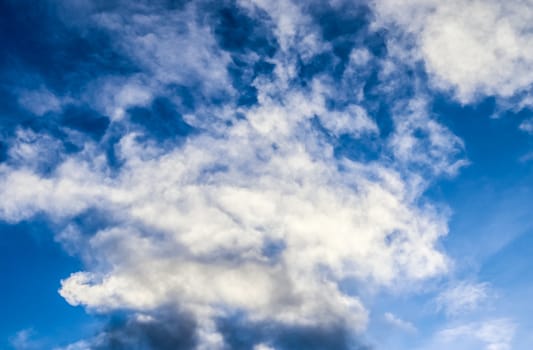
(360, 222)
(194, 224)
(474, 48)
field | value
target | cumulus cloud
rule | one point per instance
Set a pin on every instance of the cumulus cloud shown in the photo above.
(473, 48)
(255, 213)
(203, 215)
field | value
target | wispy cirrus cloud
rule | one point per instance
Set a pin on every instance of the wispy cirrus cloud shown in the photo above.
(495, 334)
(462, 297)
(399, 323)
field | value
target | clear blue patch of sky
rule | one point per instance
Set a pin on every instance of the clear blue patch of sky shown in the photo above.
(490, 197)
(32, 265)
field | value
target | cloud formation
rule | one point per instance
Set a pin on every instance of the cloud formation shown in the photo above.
(462, 297)
(527, 126)
(238, 167)
(399, 323)
(496, 334)
(472, 48)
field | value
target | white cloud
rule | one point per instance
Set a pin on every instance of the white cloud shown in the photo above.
(438, 149)
(154, 38)
(79, 345)
(527, 126)
(113, 96)
(462, 297)
(191, 225)
(168, 47)
(354, 121)
(24, 340)
(293, 27)
(527, 157)
(360, 56)
(183, 225)
(39, 101)
(495, 334)
(474, 48)
(399, 323)
(34, 150)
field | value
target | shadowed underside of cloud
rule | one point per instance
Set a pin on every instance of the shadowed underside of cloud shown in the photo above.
(240, 334)
(174, 330)
(199, 157)
(166, 331)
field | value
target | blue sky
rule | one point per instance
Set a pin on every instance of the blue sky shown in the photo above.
(263, 175)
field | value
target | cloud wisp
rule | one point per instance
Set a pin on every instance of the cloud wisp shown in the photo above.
(462, 297)
(495, 334)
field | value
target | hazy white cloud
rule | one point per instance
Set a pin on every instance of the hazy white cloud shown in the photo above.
(112, 96)
(263, 347)
(527, 126)
(353, 121)
(526, 157)
(39, 101)
(495, 334)
(293, 27)
(153, 39)
(462, 297)
(438, 150)
(399, 323)
(170, 47)
(79, 345)
(24, 340)
(33, 150)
